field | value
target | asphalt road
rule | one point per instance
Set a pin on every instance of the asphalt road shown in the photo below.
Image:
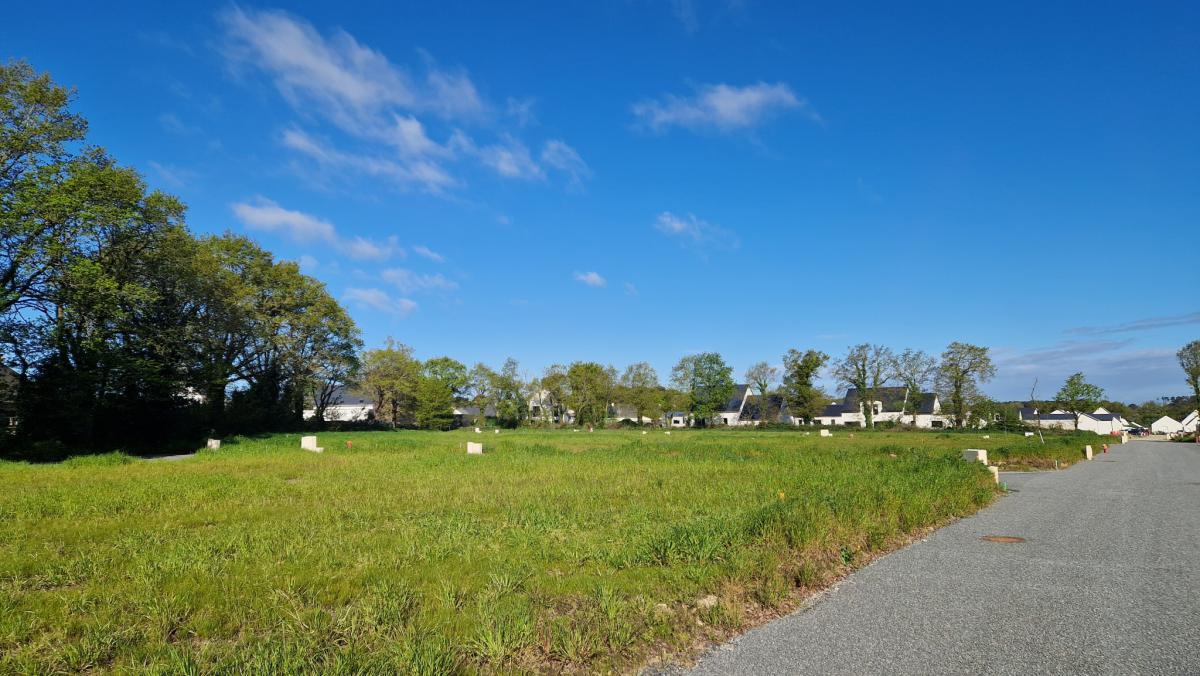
(1107, 581)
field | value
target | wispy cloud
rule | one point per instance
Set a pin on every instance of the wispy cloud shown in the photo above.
(268, 216)
(172, 123)
(630, 289)
(381, 301)
(414, 282)
(428, 175)
(176, 177)
(722, 107)
(1140, 324)
(427, 253)
(695, 232)
(382, 107)
(590, 278)
(558, 155)
(685, 13)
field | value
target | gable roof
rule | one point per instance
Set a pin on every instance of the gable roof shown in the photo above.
(833, 411)
(344, 397)
(735, 401)
(892, 398)
(776, 407)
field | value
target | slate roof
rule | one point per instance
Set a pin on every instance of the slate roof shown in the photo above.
(753, 410)
(735, 402)
(1027, 413)
(892, 398)
(344, 397)
(833, 411)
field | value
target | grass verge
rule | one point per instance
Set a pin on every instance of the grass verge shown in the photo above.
(555, 551)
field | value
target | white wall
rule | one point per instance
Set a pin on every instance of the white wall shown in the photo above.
(344, 413)
(1166, 425)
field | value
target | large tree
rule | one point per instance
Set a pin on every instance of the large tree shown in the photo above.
(392, 376)
(442, 381)
(639, 388)
(804, 399)
(963, 368)
(761, 377)
(509, 387)
(915, 370)
(866, 368)
(707, 381)
(42, 201)
(1189, 360)
(1077, 396)
(589, 391)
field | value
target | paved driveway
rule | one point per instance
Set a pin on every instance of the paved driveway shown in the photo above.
(1107, 581)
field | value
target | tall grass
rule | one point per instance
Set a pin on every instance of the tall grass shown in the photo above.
(554, 551)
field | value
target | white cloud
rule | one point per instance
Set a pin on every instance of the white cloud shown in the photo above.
(172, 123)
(379, 300)
(521, 110)
(425, 252)
(630, 289)
(695, 232)
(268, 216)
(721, 107)
(510, 159)
(413, 282)
(348, 81)
(308, 263)
(558, 155)
(379, 105)
(685, 13)
(176, 177)
(428, 175)
(1140, 324)
(590, 278)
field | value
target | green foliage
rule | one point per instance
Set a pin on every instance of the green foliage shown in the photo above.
(963, 367)
(804, 399)
(865, 368)
(118, 318)
(589, 390)
(391, 374)
(707, 381)
(639, 389)
(1078, 396)
(1189, 361)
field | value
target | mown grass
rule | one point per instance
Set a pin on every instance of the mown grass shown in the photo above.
(555, 551)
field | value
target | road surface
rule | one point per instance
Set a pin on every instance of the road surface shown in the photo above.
(1107, 581)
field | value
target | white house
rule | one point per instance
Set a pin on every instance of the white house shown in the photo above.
(889, 406)
(1100, 421)
(732, 411)
(346, 407)
(1166, 425)
(1191, 423)
(678, 419)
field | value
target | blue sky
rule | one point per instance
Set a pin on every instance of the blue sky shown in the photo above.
(634, 180)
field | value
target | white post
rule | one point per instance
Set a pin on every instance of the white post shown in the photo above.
(1087, 452)
(975, 455)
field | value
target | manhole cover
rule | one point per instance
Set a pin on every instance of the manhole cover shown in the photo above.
(1008, 539)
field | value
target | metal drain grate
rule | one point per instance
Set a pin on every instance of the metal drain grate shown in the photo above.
(1007, 539)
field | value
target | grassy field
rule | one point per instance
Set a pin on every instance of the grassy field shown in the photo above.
(556, 551)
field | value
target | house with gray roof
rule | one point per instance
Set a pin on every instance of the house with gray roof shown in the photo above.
(891, 404)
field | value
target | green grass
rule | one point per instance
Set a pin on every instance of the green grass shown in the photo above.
(556, 551)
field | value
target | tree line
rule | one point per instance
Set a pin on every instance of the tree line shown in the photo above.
(407, 391)
(126, 329)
